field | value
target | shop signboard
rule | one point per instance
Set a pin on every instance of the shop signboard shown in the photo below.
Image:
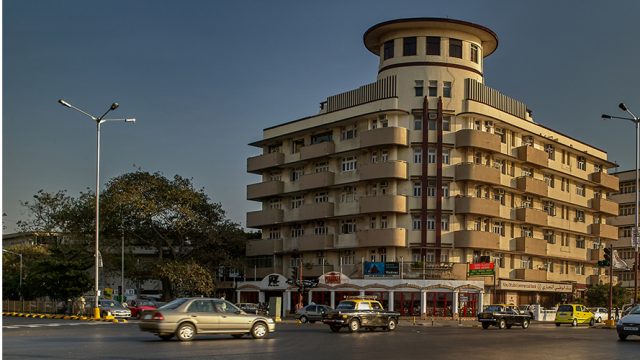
(481, 269)
(381, 269)
(391, 268)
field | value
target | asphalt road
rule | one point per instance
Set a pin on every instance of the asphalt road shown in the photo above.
(64, 339)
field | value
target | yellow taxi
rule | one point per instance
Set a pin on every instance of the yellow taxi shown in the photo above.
(574, 314)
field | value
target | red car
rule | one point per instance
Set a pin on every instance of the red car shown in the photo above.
(138, 306)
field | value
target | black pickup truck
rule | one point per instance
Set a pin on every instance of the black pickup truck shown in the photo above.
(503, 316)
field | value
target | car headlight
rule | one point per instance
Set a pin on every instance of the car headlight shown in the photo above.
(270, 320)
(345, 316)
(619, 323)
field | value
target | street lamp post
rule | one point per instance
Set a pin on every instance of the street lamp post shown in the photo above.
(20, 280)
(635, 238)
(98, 121)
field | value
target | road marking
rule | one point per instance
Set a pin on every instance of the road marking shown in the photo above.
(51, 325)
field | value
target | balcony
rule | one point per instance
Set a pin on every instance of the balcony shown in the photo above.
(532, 216)
(477, 139)
(530, 274)
(264, 189)
(596, 254)
(322, 149)
(314, 242)
(605, 180)
(384, 170)
(315, 270)
(385, 136)
(531, 246)
(604, 231)
(476, 239)
(474, 172)
(257, 163)
(396, 237)
(310, 212)
(383, 203)
(534, 156)
(263, 247)
(316, 180)
(604, 206)
(532, 186)
(257, 219)
(473, 205)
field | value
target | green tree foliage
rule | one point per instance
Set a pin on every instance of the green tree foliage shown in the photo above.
(11, 268)
(63, 273)
(598, 295)
(186, 278)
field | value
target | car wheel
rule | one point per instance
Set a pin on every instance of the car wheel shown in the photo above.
(354, 325)
(303, 319)
(599, 320)
(485, 325)
(259, 330)
(557, 324)
(622, 337)
(574, 322)
(592, 322)
(312, 321)
(237, 336)
(391, 324)
(335, 328)
(525, 323)
(502, 324)
(185, 332)
(509, 326)
(166, 336)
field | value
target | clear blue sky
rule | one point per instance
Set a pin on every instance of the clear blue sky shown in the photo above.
(204, 78)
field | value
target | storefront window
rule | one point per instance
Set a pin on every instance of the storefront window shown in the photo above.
(407, 303)
(439, 304)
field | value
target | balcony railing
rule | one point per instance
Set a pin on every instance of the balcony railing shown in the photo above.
(384, 136)
(477, 91)
(384, 170)
(530, 185)
(530, 274)
(264, 189)
(261, 162)
(383, 203)
(533, 156)
(604, 231)
(532, 216)
(382, 89)
(605, 180)
(317, 150)
(476, 239)
(531, 246)
(263, 247)
(256, 219)
(477, 139)
(604, 206)
(475, 172)
(396, 237)
(473, 205)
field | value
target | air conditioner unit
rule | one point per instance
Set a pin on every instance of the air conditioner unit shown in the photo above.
(579, 218)
(528, 199)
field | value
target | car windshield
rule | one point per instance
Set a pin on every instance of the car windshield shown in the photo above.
(565, 308)
(110, 304)
(346, 305)
(146, 303)
(492, 308)
(635, 311)
(172, 305)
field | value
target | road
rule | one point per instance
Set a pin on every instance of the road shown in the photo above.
(65, 339)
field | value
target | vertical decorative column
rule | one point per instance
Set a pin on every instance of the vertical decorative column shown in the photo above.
(333, 299)
(423, 304)
(455, 305)
(287, 301)
(390, 301)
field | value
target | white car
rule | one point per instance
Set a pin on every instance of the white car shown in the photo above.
(629, 324)
(600, 314)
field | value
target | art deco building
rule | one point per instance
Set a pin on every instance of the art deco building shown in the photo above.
(426, 171)
(626, 199)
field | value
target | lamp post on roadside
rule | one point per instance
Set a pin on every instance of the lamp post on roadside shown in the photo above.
(634, 235)
(20, 280)
(98, 121)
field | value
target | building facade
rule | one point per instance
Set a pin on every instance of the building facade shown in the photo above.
(625, 220)
(424, 172)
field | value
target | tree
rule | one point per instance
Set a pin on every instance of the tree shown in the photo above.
(598, 295)
(186, 278)
(11, 268)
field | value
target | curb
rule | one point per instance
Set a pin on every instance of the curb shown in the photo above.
(63, 317)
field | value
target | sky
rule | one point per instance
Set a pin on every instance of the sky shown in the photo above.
(203, 78)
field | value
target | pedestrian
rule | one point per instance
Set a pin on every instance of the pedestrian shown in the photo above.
(617, 313)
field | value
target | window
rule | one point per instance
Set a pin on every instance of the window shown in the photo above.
(527, 171)
(432, 124)
(384, 222)
(526, 263)
(417, 122)
(431, 222)
(417, 188)
(374, 157)
(549, 236)
(444, 223)
(320, 228)
(297, 231)
(348, 226)
(582, 163)
(580, 243)
(383, 257)
(349, 164)
(416, 222)
(551, 154)
(549, 179)
(274, 233)
(348, 194)
(384, 155)
(419, 87)
(500, 132)
(474, 53)
(627, 209)
(321, 197)
(498, 228)
(445, 190)
(409, 46)
(322, 166)
(296, 173)
(431, 155)
(388, 50)
(579, 269)
(275, 204)
(455, 48)
(349, 133)
(384, 122)
(274, 148)
(446, 89)
(527, 140)
(446, 123)
(564, 186)
(580, 189)
(324, 137)
(433, 88)
(445, 156)
(296, 202)
(275, 176)
(579, 215)
(373, 222)
(433, 45)
(550, 208)
(526, 231)
(417, 155)
(296, 145)
(431, 188)
(627, 187)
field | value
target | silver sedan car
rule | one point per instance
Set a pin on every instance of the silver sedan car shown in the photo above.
(186, 317)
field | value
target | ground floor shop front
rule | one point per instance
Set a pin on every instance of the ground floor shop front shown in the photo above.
(422, 298)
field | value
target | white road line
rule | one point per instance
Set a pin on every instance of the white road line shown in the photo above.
(51, 325)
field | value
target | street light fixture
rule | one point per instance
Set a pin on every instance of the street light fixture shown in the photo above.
(20, 282)
(635, 238)
(99, 121)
